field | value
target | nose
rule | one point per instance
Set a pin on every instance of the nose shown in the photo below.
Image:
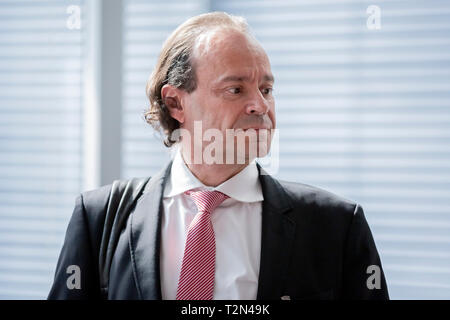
(257, 105)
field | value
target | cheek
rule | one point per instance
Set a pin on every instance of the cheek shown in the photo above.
(215, 111)
(224, 115)
(195, 108)
(234, 116)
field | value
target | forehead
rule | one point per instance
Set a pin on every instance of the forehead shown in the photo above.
(229, 52)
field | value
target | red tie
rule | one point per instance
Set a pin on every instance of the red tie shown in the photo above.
(198, 266)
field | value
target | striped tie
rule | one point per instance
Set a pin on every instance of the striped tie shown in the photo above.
(198, 266)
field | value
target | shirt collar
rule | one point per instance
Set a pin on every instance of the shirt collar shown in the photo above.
(244, 186)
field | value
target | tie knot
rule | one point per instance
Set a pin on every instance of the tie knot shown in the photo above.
(207, 201)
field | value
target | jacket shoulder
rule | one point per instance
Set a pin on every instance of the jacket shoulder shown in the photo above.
(323, 200)
(96, 196)
(322, 211)
(96, 201)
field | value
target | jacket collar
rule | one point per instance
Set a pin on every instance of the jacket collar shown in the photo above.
(276, 241)
(277, 238)
(145, 225)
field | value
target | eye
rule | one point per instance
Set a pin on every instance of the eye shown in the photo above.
(234, 90)
(266, 91)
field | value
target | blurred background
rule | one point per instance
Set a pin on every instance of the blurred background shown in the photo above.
(362, 100)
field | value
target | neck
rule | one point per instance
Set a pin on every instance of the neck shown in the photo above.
(213, 175)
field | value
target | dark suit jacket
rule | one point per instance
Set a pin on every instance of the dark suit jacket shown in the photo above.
(314, 245)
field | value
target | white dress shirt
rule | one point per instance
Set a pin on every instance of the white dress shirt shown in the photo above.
(237, 228)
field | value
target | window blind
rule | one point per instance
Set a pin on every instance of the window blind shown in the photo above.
(40, 140)
(362, 112)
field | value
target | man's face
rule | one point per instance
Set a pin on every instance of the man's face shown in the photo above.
(234, 87)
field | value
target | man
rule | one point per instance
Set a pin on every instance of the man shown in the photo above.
(214, 225)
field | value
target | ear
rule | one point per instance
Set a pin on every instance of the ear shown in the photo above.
(171, 97)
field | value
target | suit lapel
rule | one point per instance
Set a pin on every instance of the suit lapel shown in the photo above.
(145, 237)
(277, 236)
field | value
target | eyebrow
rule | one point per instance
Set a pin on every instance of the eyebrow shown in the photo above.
(267, 77)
